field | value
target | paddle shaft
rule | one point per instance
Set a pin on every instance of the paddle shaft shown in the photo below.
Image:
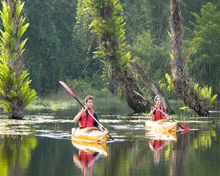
(71, 93)
(154, 107)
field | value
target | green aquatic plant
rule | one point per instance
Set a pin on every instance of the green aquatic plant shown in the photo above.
(15, 91)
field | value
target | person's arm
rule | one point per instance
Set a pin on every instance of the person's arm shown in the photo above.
(152, 112)
(167, 116)
(77, 117)
(97, 125)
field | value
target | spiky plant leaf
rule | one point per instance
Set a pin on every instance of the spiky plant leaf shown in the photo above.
(12, 94)
(22, 30)
(201, 93)
(22, 45)
(195, 87)
(19, 8)
(213, 99)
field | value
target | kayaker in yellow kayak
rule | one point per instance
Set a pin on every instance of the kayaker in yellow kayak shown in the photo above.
(86, 120)
(155, 113)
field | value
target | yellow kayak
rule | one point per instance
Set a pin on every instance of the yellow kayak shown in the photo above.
(89, 134)
(161, 126)
(166, 135)
(91, 146)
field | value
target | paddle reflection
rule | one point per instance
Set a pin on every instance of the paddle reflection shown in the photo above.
(88, 155)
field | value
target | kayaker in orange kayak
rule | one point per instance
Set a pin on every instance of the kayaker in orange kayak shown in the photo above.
(86, 120)
(155, 113)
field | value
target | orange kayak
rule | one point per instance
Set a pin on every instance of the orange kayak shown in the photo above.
(89, 134)
(161, 126)
(91, 146)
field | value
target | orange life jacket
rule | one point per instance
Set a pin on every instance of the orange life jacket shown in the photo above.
(87, 120)
(158, 115)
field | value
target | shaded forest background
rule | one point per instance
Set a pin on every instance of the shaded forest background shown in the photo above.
(57, 49)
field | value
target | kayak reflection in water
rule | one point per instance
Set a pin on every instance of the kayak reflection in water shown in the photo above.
(84, 118)
(156, 113)
(157, 147)
(86, 160)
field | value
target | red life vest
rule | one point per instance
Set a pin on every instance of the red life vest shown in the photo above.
(158, 115)
(86, 158)
(87, 121)
(158, 145)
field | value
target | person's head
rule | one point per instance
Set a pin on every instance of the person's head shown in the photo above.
(157, 100)
(89, 101)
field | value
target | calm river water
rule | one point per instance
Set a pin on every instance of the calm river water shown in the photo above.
(41, 146)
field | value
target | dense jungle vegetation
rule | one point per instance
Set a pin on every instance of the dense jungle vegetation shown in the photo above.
(62, 46)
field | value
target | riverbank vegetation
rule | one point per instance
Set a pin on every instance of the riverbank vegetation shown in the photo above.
(68, 43)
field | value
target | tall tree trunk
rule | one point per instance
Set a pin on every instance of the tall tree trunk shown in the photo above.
(180, 81)
(154, 87)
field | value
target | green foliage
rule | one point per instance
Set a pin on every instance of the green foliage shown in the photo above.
(109, 28)
(15, 90)
(143, 15)
(60, 44)
(205, 94)
(204, 57)
(106, 21)
(154, 58)
(170, 84)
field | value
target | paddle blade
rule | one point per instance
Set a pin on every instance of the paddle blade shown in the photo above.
(184, 131)
(67, 88)
(185, 127)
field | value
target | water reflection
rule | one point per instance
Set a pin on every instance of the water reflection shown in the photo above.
(157, 146)
(88, 155)
(15, 154)
(134, 152)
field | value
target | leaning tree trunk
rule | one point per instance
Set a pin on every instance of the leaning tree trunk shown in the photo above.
(180, 81)
(154, 87)
(127, 83)
(108, 25)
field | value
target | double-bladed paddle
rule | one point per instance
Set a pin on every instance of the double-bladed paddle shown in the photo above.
(71, 93)
(181, 126)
